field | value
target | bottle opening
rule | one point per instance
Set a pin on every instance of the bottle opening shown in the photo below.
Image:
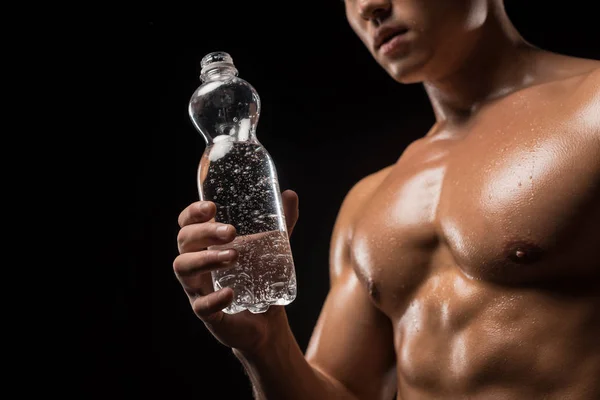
(217, 59)
(217, 56)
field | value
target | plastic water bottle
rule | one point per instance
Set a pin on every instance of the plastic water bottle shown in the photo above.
(237, 173)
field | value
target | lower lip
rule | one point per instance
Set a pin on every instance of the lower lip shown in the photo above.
(398, 44)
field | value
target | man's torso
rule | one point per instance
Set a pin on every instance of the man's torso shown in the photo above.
(481, 245)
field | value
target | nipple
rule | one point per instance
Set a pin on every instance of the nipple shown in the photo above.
(522, 252)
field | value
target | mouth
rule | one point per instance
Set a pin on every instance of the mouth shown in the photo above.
(385, 36)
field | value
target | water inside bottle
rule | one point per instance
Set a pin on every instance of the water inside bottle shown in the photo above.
(263, 274)
(241, 180)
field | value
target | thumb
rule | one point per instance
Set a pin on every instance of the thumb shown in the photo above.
(289, 199)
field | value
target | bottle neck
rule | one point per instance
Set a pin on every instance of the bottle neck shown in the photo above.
(218, 71)
(224, 105)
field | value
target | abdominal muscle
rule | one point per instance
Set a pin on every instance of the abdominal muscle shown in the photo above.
(461, 337)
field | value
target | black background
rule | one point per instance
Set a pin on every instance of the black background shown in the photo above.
(330, 115)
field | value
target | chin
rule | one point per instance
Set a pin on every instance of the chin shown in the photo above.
(408, 78)
(406, 72)
(411, 68)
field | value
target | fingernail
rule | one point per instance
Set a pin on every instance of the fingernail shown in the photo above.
(204, 207)
(225, 254)
(223, 231)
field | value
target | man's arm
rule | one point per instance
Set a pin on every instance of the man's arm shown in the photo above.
(353, 340)
(351, 352)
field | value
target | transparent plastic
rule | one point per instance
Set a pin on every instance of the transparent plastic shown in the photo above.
(238, 174)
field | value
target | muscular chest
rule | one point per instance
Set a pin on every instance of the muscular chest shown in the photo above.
(513, 203)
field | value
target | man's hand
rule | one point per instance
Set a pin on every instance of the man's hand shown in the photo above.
(244, 331)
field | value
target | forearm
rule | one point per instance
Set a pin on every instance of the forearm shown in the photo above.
(282, 372)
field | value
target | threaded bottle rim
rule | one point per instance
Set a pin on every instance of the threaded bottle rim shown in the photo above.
(216, 59)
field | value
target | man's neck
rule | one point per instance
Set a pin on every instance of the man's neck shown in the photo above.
(498, 64)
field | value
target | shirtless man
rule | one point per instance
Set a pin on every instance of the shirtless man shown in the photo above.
(471, 267)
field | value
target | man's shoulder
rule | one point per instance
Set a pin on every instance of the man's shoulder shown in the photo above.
(580, 101)
(587, 102)
(588, 89)
(364, 188)
(360, 193)
(576, 98)
(569, 85)
(575, 75)
(350, 210)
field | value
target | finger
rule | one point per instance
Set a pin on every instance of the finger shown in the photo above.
(197, 237)
(193, 270)
(200, 211)
(209, 308)
(290, 209)
(191, 264)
